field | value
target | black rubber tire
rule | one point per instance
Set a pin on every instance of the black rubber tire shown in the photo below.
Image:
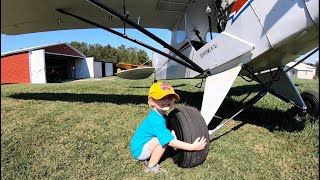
(311, 99)
(188, 125)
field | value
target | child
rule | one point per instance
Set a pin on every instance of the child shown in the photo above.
(152, 136)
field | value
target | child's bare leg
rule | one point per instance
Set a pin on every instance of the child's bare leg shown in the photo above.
(156, 151)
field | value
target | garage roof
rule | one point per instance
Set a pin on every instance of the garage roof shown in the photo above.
(301, 66)
(56, 48)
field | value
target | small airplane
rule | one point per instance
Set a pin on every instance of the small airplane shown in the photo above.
(255, 40)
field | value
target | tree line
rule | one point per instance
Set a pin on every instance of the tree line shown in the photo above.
(107, 53)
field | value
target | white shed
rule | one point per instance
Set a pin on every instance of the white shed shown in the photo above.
(301, 71)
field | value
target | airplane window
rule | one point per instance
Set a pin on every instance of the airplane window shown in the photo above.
(214, 35)
(181, 33)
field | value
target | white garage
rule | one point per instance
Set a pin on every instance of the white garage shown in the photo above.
(301, 71)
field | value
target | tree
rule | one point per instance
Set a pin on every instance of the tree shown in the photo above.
(132, 56)
(143, 57)
(122, 54)
(108, 53)
(82, 47)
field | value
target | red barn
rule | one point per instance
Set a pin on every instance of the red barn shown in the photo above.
(42, 64)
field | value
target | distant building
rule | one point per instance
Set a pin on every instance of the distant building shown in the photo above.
(50, 63)
(301, 71)
(104, 69)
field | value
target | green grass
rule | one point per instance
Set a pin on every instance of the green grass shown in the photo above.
(81, 130)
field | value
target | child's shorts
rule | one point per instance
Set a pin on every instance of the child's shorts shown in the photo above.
(145, 154)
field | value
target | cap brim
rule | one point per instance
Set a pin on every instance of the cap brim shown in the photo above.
(177, 97)
(160, 96)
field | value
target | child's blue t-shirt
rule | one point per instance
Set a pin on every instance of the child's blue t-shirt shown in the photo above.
(154, 125)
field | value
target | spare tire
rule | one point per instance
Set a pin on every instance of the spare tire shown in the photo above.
(188, 124)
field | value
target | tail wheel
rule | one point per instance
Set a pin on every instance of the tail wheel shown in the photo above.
(311, 99)
(188, 125)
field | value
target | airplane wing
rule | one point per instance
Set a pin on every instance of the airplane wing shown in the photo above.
(29, 16)
(137, 73)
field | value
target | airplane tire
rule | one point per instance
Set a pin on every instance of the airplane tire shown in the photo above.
(311, 99)
(188, 124)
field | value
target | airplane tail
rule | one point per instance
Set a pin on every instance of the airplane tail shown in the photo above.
(155, 59)
(166, 68)
(159, 61)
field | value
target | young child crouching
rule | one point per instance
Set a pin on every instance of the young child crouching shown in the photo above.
(152, 137)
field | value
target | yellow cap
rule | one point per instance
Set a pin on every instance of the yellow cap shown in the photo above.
(160, 89)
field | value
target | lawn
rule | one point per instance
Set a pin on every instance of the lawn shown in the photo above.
(82, 129)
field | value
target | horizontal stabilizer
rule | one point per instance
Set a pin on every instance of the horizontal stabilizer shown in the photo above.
(216, 89)
(137, 73)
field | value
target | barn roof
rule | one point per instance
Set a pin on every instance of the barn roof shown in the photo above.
(301, 66)
(56, 48)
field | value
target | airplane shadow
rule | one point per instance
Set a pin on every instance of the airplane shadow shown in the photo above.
(271, 119)
(246, 89)
(267, 118)
(147, 87)
(85, 98)
(232, 129)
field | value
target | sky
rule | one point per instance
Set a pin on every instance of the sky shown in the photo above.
(94, 36)
(89, 36)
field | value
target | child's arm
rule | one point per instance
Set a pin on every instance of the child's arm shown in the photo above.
(197, 145)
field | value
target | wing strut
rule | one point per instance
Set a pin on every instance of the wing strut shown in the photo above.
(126, 15)
(149, 34)
(130, 39)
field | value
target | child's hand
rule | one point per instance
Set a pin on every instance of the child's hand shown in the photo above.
(199, 144)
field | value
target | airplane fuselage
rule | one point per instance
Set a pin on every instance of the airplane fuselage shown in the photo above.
(260, 34)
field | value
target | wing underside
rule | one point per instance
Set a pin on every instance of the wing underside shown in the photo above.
(29, 16)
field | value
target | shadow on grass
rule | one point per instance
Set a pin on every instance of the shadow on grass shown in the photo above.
(267, 118)
(271, 119)
(225, 133)
(246, 89)
(147, 87)
(85, 98)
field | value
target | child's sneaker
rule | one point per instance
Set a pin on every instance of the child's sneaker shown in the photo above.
(155, 169)
(144, 163)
